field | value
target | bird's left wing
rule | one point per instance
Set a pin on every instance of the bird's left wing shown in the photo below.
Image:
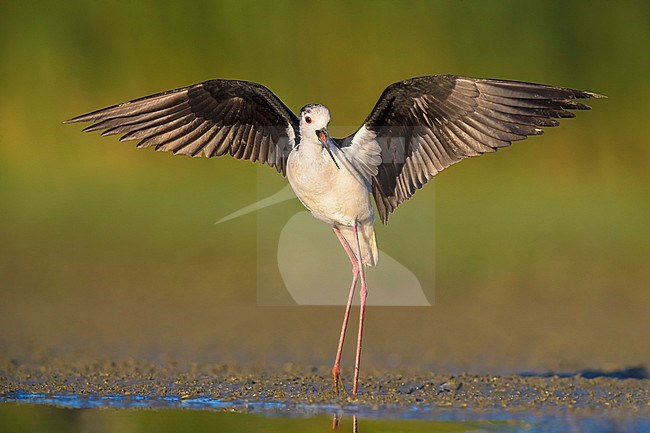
(423, 125)
(213, 118)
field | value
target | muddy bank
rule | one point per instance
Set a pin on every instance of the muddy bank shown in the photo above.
(293, 387)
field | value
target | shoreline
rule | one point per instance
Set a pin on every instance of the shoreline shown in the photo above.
(299, 389)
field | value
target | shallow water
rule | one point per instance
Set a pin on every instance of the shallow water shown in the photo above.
(141, 413)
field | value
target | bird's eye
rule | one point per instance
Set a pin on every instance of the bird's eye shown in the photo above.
(307, 119)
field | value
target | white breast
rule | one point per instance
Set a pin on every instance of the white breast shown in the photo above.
(333, 195)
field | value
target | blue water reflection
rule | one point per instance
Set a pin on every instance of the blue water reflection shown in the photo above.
(356, 415)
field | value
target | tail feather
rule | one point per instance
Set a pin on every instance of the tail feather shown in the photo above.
(367, 242)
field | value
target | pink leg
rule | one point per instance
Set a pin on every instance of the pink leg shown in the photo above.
(336, 369)
(363, 293)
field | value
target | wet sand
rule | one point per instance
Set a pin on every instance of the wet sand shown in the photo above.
(298, 389)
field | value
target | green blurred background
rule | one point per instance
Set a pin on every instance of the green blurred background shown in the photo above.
(108, 252)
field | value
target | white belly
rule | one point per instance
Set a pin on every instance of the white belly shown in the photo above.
(333, 195)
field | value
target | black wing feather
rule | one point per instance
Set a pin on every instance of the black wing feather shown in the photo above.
(215, 117)
(426, 124)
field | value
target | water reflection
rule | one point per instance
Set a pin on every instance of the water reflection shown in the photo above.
(78, 413)
(336, 419)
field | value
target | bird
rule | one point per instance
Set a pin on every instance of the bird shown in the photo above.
(417, 128)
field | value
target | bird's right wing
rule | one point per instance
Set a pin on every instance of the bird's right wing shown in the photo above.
(423, 125)
(241, 118)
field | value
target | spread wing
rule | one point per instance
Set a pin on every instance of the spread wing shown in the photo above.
(423, 125)
(241, 118)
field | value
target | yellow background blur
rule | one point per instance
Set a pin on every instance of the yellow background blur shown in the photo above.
(110, 251)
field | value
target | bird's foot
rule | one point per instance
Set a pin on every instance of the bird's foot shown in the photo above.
(336, 377)
(337, 382)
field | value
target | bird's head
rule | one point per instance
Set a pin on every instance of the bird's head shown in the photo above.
(313, 122)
